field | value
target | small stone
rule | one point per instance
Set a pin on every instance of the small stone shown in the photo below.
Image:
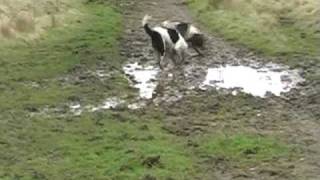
(151, 161)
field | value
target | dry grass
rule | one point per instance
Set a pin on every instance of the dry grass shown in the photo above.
(273, 27)
(27, 19)
(303, 14)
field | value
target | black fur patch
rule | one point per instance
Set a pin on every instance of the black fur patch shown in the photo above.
(183, 28)
(157, 42)
(174, 35)
(148, 30)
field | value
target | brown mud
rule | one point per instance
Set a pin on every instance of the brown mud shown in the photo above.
(293, 117)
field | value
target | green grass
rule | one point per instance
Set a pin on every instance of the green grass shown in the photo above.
(62, 52)
(244, 149)
(230, 141)
(94, 146)
(110, 145)
(259, 27)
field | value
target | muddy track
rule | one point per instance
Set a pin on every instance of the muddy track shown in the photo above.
(294, 118)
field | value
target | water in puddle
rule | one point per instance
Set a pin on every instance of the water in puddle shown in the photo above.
(256, 81)
(143, 78)
(76, 109)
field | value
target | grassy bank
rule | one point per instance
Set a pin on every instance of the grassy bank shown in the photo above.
(35, 73)
(271, 27)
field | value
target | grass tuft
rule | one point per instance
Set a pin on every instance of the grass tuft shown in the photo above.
(244, 149)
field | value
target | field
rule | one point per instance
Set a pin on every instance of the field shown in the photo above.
(28, 19)
(61, 54)
(272, 27)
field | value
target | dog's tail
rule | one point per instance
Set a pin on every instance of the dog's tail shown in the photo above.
(145, 24)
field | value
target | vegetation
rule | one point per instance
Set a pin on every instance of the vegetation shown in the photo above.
(272, 27)
(121, 144)
(32, 73)
(111, 145)
(28, 19)
(244, 149)
(93, 146)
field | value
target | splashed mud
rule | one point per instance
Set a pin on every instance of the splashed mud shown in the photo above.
(137, 105)
(256, 81)
(109, 103)
(142, 78)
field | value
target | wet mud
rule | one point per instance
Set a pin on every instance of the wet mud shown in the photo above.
(288, 110)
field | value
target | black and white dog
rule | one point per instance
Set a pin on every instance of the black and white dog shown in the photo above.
(194, 37)
(166, 41)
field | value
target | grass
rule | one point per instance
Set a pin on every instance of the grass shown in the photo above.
(244, 148)
(230, 141)
(273, 28)
(62, 52)
(101, 145)
(94, 146)
(28, 19)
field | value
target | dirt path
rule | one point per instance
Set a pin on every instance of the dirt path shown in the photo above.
(137, 48)
(294, 118)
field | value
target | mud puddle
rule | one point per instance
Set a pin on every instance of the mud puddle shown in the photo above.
(258, 81)
(142, 78)
(252, 79)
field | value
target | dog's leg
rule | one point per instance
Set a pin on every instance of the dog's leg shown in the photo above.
(198, 51)
(159, 58)
(173, 57)
(181, 55)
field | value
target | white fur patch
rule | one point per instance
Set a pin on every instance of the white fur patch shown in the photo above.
(173, 25)
(194, 30)
(181, 44)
